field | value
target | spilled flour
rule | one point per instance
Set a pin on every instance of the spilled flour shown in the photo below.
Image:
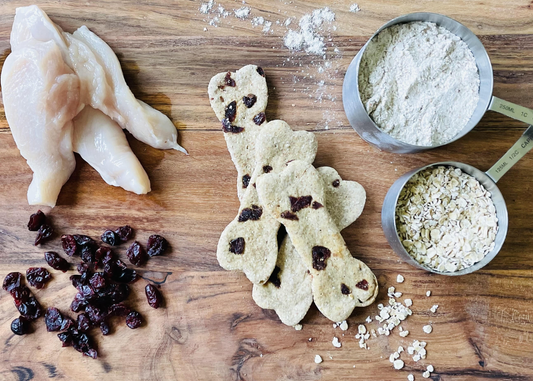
(419, 83)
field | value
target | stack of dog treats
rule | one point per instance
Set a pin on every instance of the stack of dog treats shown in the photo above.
(278, 185)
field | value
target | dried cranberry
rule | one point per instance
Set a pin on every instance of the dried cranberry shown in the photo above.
(254, 213)
(228, 80)
(156, 245)
(96, 315)
(299, 203)
(30, 309)
(345, 290)
(66, 338)
(110, 237)
(260, 71)
(336, 183)
(83, 240)
(80, 341)
(78, 303)
(37, 276)
(320, 256)
(55, 261)
(363, 285)
(246, 181)
(67, 323)
(36, 221)
(267, 168)
(249, 100)
(102, 256)
(153, 296)
(289, 216)
(53, 319)
(70, 247)
(231, 111)
(104, 327)
(97, 281)
(92, 353)
(21, 294)
(316, 205)
(88, 253)
(44, 232)
(115, 293)
(136, 254)
(83, 323)
(20, 326)
(11, 281)
(118, 309)
(82, 268)
(125, 233)
(236, 246)
(133, 320)
(228, 127)
(260, 118)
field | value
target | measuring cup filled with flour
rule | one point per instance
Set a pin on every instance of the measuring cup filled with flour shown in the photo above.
(422, 81)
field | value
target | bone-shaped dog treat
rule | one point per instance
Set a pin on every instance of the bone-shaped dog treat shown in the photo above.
(288, 290)
(249, 243)
(239, 100)
(296, 197)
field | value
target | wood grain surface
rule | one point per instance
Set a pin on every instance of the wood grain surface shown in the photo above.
(210, 328)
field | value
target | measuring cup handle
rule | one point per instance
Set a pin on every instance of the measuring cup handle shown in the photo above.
(512, 110)
(515, 153)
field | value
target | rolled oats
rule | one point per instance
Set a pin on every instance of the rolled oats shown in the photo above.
(446, 219)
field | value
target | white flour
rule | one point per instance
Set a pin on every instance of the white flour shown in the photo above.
(419, 83)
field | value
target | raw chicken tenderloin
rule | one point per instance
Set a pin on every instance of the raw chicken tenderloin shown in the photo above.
(102, 143)
(32, 23)
(144, 122)
(41, 97)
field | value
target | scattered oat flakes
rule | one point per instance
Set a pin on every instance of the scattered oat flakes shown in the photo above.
(428, 293)
(343, 325)
(427, 328)
(430, 368)
(426, 374)
(397, 294)
(400, 278)
(404, 333)
(368, 319)
(434, 308)
(354, 8)
(410, 377)
(336, 342)
(318, 359)
(398, 364)
(298, 327)
(408, 302)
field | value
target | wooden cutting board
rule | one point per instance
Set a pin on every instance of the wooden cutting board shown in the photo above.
(210, 328)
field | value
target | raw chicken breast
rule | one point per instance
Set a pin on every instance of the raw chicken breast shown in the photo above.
(41, 96)
(102, 143)
(101, 79)
(31, 23)
(145, 123)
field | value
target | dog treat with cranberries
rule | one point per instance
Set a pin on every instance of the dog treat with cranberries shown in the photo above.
(249, 243)
(239, 100)
(288, 290)
(296, 198)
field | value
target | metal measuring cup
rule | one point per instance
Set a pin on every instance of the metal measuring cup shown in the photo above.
(487, 179)
(371, 133)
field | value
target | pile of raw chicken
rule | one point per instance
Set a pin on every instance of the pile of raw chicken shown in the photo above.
(66, 93)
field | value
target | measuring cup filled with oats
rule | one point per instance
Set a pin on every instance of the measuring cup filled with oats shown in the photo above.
(450, 218)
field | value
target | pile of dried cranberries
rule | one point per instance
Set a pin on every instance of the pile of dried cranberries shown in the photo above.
(100, 294)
